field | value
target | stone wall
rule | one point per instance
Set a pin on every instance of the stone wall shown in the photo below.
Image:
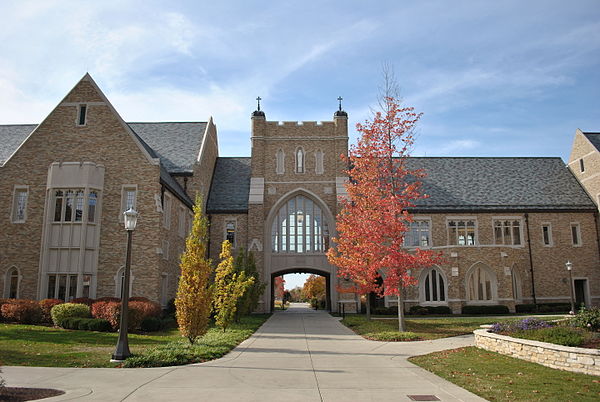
(578, 360)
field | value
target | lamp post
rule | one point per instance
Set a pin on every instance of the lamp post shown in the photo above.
(122, 351)
(569, 266)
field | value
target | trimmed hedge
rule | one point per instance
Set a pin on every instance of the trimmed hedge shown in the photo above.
(21, 311)
(63, 311)
(111, 311)
(86, 324)
(485, 309)
(430, 310)
(46, 306)
(543, 308)
(83, 300)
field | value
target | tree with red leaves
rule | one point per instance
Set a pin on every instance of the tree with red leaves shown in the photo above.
(375, 216)
(279, 287)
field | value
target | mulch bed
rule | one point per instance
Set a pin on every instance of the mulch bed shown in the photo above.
(15, 394)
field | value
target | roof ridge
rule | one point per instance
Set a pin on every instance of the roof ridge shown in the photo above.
(167, 122)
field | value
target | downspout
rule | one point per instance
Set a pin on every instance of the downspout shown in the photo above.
(597, 221)
(530, 260)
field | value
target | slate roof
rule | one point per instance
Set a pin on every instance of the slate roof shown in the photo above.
(594, 139)
(499, 184)
(176, 144)
(11, 136)
(230, 186)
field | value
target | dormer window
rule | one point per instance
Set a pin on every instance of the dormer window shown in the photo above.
(82, 115)
(300, 160)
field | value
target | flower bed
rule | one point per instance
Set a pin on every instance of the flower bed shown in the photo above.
(579, 360)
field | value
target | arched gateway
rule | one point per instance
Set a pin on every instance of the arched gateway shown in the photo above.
(298, 230)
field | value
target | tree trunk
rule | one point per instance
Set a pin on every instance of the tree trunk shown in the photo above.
(368, 307)
(401, 326)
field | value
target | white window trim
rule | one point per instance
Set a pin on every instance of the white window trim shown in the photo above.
(578, 229)
(429, 239)
(167, 211)
(87, 111)
(124, 189)
(280, 168)
(508, 218)
(13, 210)
(515, 278)
(422, 277)
(303, 160)
(550, 237)
(7, 276)
(235, 230)
(462, 218)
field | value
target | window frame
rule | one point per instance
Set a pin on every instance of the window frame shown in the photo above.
(511, 219)
(125, 188)
(577, 227)
(422, 291)
(550, 237)
(429, 237)
(167, 199)
(85, 108)
(181, 221)
(493, 284)
(319, 162)
(8, 275)
(19, 189)
(465, 219)
(165, 249)
(225, 230)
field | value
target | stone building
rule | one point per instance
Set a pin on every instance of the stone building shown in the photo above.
(506, 226)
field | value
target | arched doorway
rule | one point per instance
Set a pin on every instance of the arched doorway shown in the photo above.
(324, 274)
(298, 231)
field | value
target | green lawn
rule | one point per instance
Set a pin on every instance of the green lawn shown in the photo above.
(33, 345)
(424, 328)
(501, 378)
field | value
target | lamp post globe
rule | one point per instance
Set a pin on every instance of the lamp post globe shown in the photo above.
(122, 351)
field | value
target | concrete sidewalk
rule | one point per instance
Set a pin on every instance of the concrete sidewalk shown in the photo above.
(297, 355)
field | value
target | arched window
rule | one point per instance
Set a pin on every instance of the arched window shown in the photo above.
(299, 160)
(300, 227)
(280, 162)
(11, 284)
(120, 280)
(432, 286)
(481, 284)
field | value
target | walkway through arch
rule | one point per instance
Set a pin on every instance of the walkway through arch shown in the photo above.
(324, 274)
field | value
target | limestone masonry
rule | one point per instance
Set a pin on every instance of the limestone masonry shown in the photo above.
(506, 226)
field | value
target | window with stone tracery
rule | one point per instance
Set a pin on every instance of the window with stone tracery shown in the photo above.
(300, 226)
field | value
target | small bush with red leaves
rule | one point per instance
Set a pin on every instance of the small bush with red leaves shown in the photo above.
(83, 300)
(46, 305)
(111, 311)
(22, 311)
(147, 308)
(3, 302)
(108, 298)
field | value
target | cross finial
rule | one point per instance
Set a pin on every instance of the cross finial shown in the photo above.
(340, 99)
(258, 100)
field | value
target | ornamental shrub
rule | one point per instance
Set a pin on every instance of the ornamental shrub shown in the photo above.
(428, 310)
(83, 300)
(139, 299)
(111, 311)
(68, 310)
(485, 309)
(587, 318)
(71, 322)
(98, 324)
(22, 311)
(3, 302)
(108, 298)
(557, 335)
(45, 306)
(151, 324)
(146, 307)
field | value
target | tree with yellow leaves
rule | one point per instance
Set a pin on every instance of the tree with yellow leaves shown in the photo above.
(229, 286)
(194, 298)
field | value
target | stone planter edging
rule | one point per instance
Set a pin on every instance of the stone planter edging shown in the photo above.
(579, 360)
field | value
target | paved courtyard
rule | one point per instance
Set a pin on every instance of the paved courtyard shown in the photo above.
(297, 355)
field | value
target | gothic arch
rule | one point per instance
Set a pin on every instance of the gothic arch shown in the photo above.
(433, 286)
(12, 289)
(481, 284)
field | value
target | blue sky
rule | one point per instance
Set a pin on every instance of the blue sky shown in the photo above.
(510, 78)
